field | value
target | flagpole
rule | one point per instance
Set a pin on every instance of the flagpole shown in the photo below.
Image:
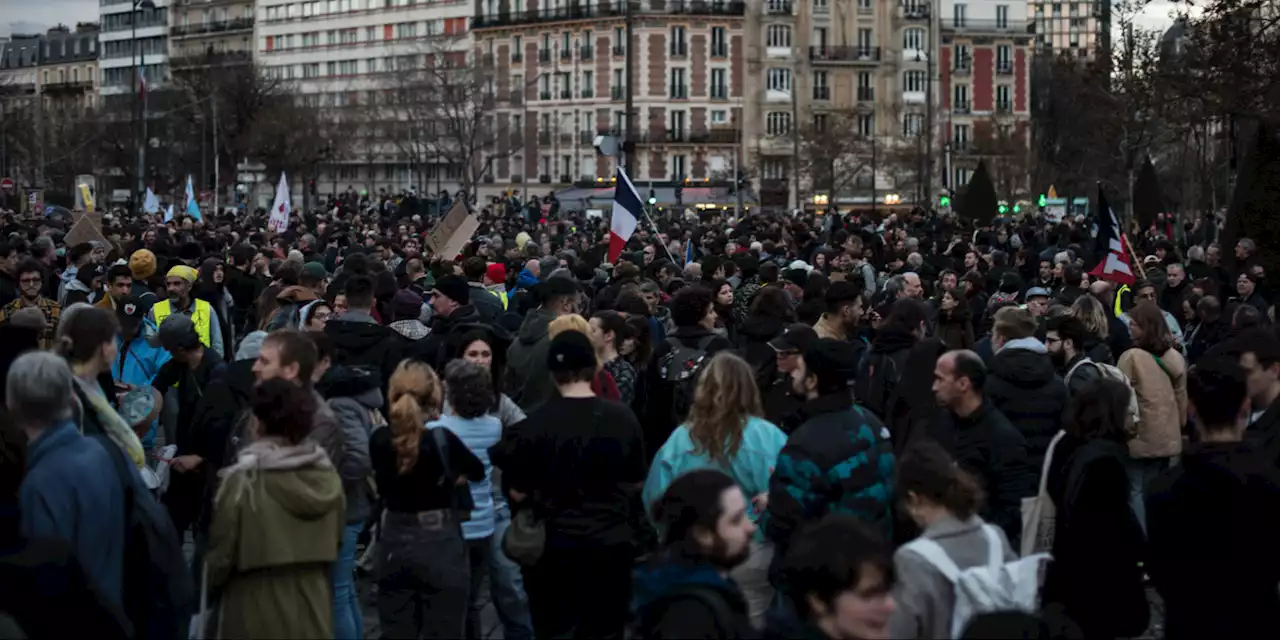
(656, 233)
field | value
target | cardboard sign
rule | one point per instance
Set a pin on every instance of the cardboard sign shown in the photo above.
(447, 238)
(86, 229)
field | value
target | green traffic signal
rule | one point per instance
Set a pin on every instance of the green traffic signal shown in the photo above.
(1004, 209)
(1043, 200)
(945, 201)
(1017, 208)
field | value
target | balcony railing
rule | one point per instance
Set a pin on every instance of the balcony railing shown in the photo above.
(719, 50)
(544, 179)
(586, 53)
(719, 92)
(966, 25)
(588, 92)
(964, 67)
(962, 106)
(544, 138)
(913, 11)
(616, 93)
(566, 54)
(679, 92)
(1004, 68)
(866, 94)
(586, 138)
(679, 49)
(211, 59)
(778, 7)
(844, 54)
(517, 57)
(566, 94)
(208, 28)
(614, 9)
(544, 95)
(685, 136)
(1004, 107)
(619, 51)
(544, 55)
(67, 86)
(517, 97)
(822, 93)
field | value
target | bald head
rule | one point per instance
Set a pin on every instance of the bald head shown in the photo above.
(1100, 288)
(958, 379)
(534, 267)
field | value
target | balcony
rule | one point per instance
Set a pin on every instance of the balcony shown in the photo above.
(565, 139)
(586, 138)
(961, 146)
(617, 93)
(679, 50)
(962, 107)
(566, 178)
(517, 178)
(66, 87)
(913, 10)
(866, 94)
(719, 50)
(566, 54)
(679, 92)
(588, 92)
(209, 59)
(986, 27)
(517, 97)
(619, 51)
(1004, 108)
(211, 28)
(844, 55)
(544, 56)
(586, 53)
(1004, 68)
(964, 67)
(544, 138)
(822, 93)
(719, 92)
(610, 10)
(544, 179)
(517, 57)
(778, 8)
(566, 94)
(684, 136)
(544, 95)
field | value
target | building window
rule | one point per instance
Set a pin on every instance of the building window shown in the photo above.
(821, 6)
(962, 176)
(962, 97)
(913, 81)
(588, 84)
(719, 84)
(774, 169)
(865, 41)
(1004, 55)
(913, 39)
(779, 79)
(719, 43)
(1003, 103)
(960, 12)
(677, 167)
(820, 89)
(866, 124)
(777, 123)
(778, 35)
(819, 122)
(678, 87)
(962, 56)
(679, 46)
(1002, 15)
(913, 124)
(619, 41)
(719, 116)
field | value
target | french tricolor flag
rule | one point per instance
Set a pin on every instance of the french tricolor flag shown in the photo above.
(627, 209)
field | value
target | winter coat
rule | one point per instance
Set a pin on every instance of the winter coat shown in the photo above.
(955, 328)
(924, 596)
(1023, 385)
(46, 592)
(1098, 545)
(1162, 401)
(478, 434)
(750, 467)
(274, 538)
(661, 393)
(527, 380)
(359, 341)
(439, 346)
(671, 599)
(1221, 500)
(353, 397)
(989, 447)
(486, 303)
(752, 343)
(840, 460)
(137, 364)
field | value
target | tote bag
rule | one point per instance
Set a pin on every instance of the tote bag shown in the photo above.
(1039, 515)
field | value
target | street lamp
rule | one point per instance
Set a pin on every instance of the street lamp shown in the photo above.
(139, 96)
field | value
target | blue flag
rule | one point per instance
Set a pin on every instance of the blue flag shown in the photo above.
(193, 208)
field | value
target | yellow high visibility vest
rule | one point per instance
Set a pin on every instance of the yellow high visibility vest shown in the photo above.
(200, 318)
(502, 295)
(1124, 288)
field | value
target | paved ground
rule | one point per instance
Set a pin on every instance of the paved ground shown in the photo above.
(488, 618)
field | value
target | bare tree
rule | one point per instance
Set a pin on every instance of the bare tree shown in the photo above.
(834, 157)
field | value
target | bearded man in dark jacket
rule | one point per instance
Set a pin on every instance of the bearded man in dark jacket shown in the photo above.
(1023, 383)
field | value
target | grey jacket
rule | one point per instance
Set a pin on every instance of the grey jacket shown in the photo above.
(343, 425)
(924, 596)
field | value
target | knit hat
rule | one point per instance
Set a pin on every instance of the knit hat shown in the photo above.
(570, 351)
(184, 272)
(496, 272)
(406, 305)
(314, 271)
(454, 288)
(143, 264)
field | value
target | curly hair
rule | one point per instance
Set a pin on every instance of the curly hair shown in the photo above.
(690, 306)
(283, 409)
(772, 302)
(468, 388)
(414, 396)
(725, 399)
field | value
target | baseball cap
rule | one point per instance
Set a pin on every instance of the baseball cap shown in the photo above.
(178, 333)
(794, 339)
(1152, 259)
(314, 271)
(130, 311)
(834, 362)
(798, 277)
(1037, 292)
(571, 351)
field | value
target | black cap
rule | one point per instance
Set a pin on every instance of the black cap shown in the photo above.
(571, 351)
(835, 362)
(130, 311)
(454, 288)
(795, 338)
(178, 333)
(798, 277)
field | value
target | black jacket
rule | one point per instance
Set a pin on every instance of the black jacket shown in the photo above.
(1023, 385)
(1079, 372)
(1265, 434)
(1096, 574)
(485, 303)
(659, 424)
(988, 446)
(680, 599)
(45, 591)
(367, 345)
(1211, 543)
(752, 341)
(8, 288)
(439, 347)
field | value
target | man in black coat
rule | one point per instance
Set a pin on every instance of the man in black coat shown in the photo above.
(1023, 384)
(982, 441)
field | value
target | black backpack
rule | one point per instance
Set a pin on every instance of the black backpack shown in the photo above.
(877, 383)
(158, 590)
(680, 367)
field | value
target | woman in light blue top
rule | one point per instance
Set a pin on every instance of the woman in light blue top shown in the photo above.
(724, 432)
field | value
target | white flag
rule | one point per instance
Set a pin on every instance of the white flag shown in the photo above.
(279, 220)
(151, 204)
(168, 214)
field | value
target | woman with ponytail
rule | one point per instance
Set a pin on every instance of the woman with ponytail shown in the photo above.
(943, 501)
(422, 568)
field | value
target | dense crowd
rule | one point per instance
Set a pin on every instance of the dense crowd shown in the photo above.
(814, 425)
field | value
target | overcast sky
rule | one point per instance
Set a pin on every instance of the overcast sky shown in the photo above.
(37, 15)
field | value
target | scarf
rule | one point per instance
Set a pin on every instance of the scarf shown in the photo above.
(115, 427)
(269, 454)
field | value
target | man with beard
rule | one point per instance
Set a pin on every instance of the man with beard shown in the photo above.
(453, 314)
(178, 284)
(843, 311)
(1064, 339)
(685, 590)
(30, 280)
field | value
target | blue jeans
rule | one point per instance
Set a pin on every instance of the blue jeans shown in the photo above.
(1141, 472)
(506, 583)
(348, 622)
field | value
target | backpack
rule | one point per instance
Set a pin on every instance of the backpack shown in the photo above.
(877, 383)
(680, 367)
(1109, 372)
(993, 587)
(158, 590)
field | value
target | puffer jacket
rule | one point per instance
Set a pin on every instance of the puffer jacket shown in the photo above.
(1023, 385)
(1162, 401)
(527, 378)
(354, 395)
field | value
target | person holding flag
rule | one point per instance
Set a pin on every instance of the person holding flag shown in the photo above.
(627, 209)
(1113, 251)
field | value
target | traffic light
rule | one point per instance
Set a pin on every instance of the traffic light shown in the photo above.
(653, 199)
(679, 195)
(1017, 208)
(1004, 208)
(1043, 200)
(944, 201)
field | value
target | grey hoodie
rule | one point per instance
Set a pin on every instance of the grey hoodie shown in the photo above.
(527, 378)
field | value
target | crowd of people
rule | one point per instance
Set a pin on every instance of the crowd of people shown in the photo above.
(785, 426)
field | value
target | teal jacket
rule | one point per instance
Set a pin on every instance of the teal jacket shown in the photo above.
(137, 364)
(750, 467)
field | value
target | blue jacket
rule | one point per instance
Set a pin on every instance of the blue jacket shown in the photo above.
(138, 365)
(72, 492)
(750, 467)
(526, 280)
(840, 460)
(478, 434)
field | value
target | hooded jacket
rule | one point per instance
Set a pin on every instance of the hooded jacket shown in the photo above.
(672, 598)
(359, 341)
(354, 395)
(525, 280)
(527, 380)
(292, 300)
(1023, 385)
(752, 341)
(274, 538)
(437, 348)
